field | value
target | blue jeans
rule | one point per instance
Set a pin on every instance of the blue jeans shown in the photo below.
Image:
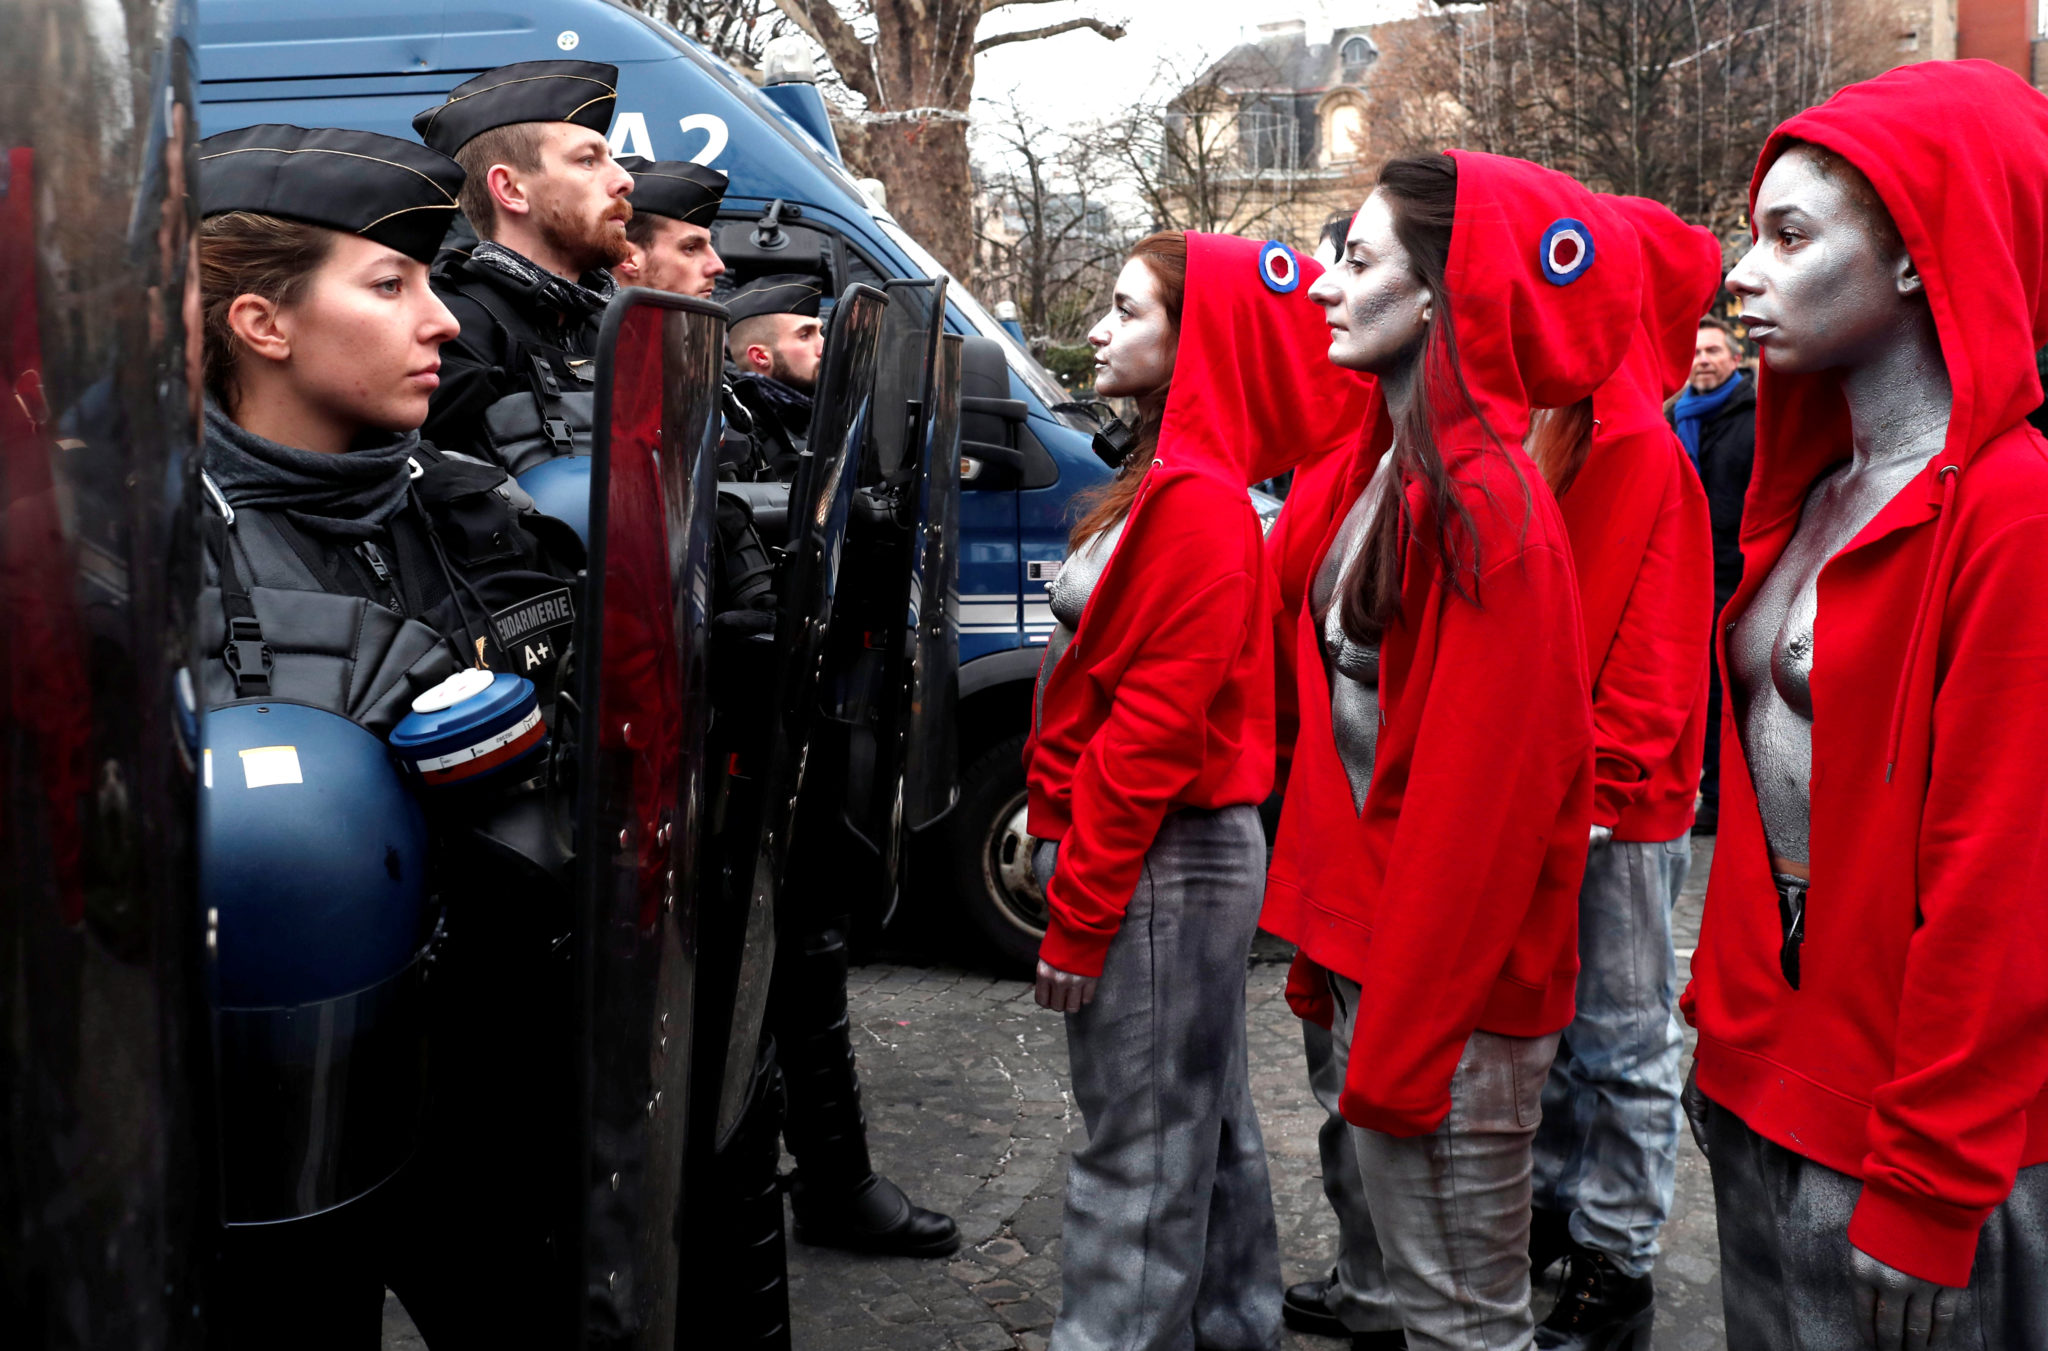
(1169, 1241)
(1609, 1140)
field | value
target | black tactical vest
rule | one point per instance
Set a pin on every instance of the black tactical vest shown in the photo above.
(465, 573)
(545, 407)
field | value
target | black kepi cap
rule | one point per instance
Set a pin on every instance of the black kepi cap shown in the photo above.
(395, 192)
(783, 293)
(583, 92)
(678, 189)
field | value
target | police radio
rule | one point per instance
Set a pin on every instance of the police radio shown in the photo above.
(1113, 443)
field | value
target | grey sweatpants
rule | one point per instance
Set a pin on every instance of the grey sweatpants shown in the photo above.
(1444, 1248)
(1169, 1237)
(1784, 1224)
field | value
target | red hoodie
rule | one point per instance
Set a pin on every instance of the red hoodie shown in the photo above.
(1164, 698)
(1914, 1053)
(1643, 550)
(1453, 897)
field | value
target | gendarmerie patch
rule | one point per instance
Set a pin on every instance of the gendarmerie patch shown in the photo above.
(533, 632)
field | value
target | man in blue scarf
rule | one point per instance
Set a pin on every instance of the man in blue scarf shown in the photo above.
(1716, 420)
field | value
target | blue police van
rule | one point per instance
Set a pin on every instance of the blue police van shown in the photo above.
(371, 64)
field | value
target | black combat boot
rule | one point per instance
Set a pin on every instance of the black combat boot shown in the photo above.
(1550, 1240)
(1599, 1309)
(837, 1197)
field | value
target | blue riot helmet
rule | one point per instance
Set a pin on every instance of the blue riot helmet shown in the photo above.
(561, 488)
(313, 891)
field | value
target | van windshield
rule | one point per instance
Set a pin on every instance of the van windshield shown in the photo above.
(1022, 363)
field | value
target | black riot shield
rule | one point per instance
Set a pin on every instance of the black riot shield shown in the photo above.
(763, 793)
(104, 1182)
(644, 701)
(931, 768)
(853, 819)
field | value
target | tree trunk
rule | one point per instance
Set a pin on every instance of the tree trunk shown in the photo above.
(924, 165)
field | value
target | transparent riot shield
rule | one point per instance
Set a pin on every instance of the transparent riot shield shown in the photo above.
(104, 1182)
(853, 818)
(644, 708)
(763, 792)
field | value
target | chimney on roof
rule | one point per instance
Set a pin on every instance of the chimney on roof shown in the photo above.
(1284, 27)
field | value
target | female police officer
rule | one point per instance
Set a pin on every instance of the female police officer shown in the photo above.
(351, 569)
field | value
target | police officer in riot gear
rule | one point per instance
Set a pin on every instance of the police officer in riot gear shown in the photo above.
(550, 208)
(351, 568)
(838, 1200)
(775, 343)
(669, 237)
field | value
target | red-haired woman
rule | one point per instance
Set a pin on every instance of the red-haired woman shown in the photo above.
(1152, 746)
(1440, 792)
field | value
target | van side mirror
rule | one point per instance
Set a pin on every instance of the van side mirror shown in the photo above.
(991, 459)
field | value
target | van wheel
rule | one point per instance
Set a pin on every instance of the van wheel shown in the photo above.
(992, 857)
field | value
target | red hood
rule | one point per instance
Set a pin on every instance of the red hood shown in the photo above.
(1675, 294)
(1254, 392)
(1954, 149)
(1526, 340)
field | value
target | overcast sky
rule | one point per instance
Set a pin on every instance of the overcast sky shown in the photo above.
(1080, 77)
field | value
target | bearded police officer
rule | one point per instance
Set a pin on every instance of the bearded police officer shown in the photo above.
(774, 344)
(838, 1198)
(668, 240)
(550, 208)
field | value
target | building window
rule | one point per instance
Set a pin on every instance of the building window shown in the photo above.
(1344, 133)
(1356, 54)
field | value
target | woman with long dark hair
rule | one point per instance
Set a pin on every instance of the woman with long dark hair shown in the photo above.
(1439, 799)
(1152, 745)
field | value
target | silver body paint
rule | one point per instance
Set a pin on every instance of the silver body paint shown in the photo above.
(1067, 594)
(1353, 668)
(1826, 287)
(1770, 647)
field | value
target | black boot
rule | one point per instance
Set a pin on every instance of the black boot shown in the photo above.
(1550, 1240)
(838, 1199)
(1306, 1308)
(1600, 1309)
(874, 1217)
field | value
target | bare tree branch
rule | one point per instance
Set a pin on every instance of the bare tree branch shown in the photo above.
(1108, 30)
(991, 6)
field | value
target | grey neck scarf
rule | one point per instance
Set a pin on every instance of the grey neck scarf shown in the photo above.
(352, 496)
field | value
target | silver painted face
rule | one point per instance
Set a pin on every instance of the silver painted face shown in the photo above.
(1067, 594)
(1352, 668)
(1822, 287)
(1373, 299)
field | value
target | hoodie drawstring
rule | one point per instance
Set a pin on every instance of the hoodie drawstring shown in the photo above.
(1937, 568)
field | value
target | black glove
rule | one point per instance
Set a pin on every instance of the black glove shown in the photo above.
(1695, 1104)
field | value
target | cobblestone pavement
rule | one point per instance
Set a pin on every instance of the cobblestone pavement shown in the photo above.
(965, 1081)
